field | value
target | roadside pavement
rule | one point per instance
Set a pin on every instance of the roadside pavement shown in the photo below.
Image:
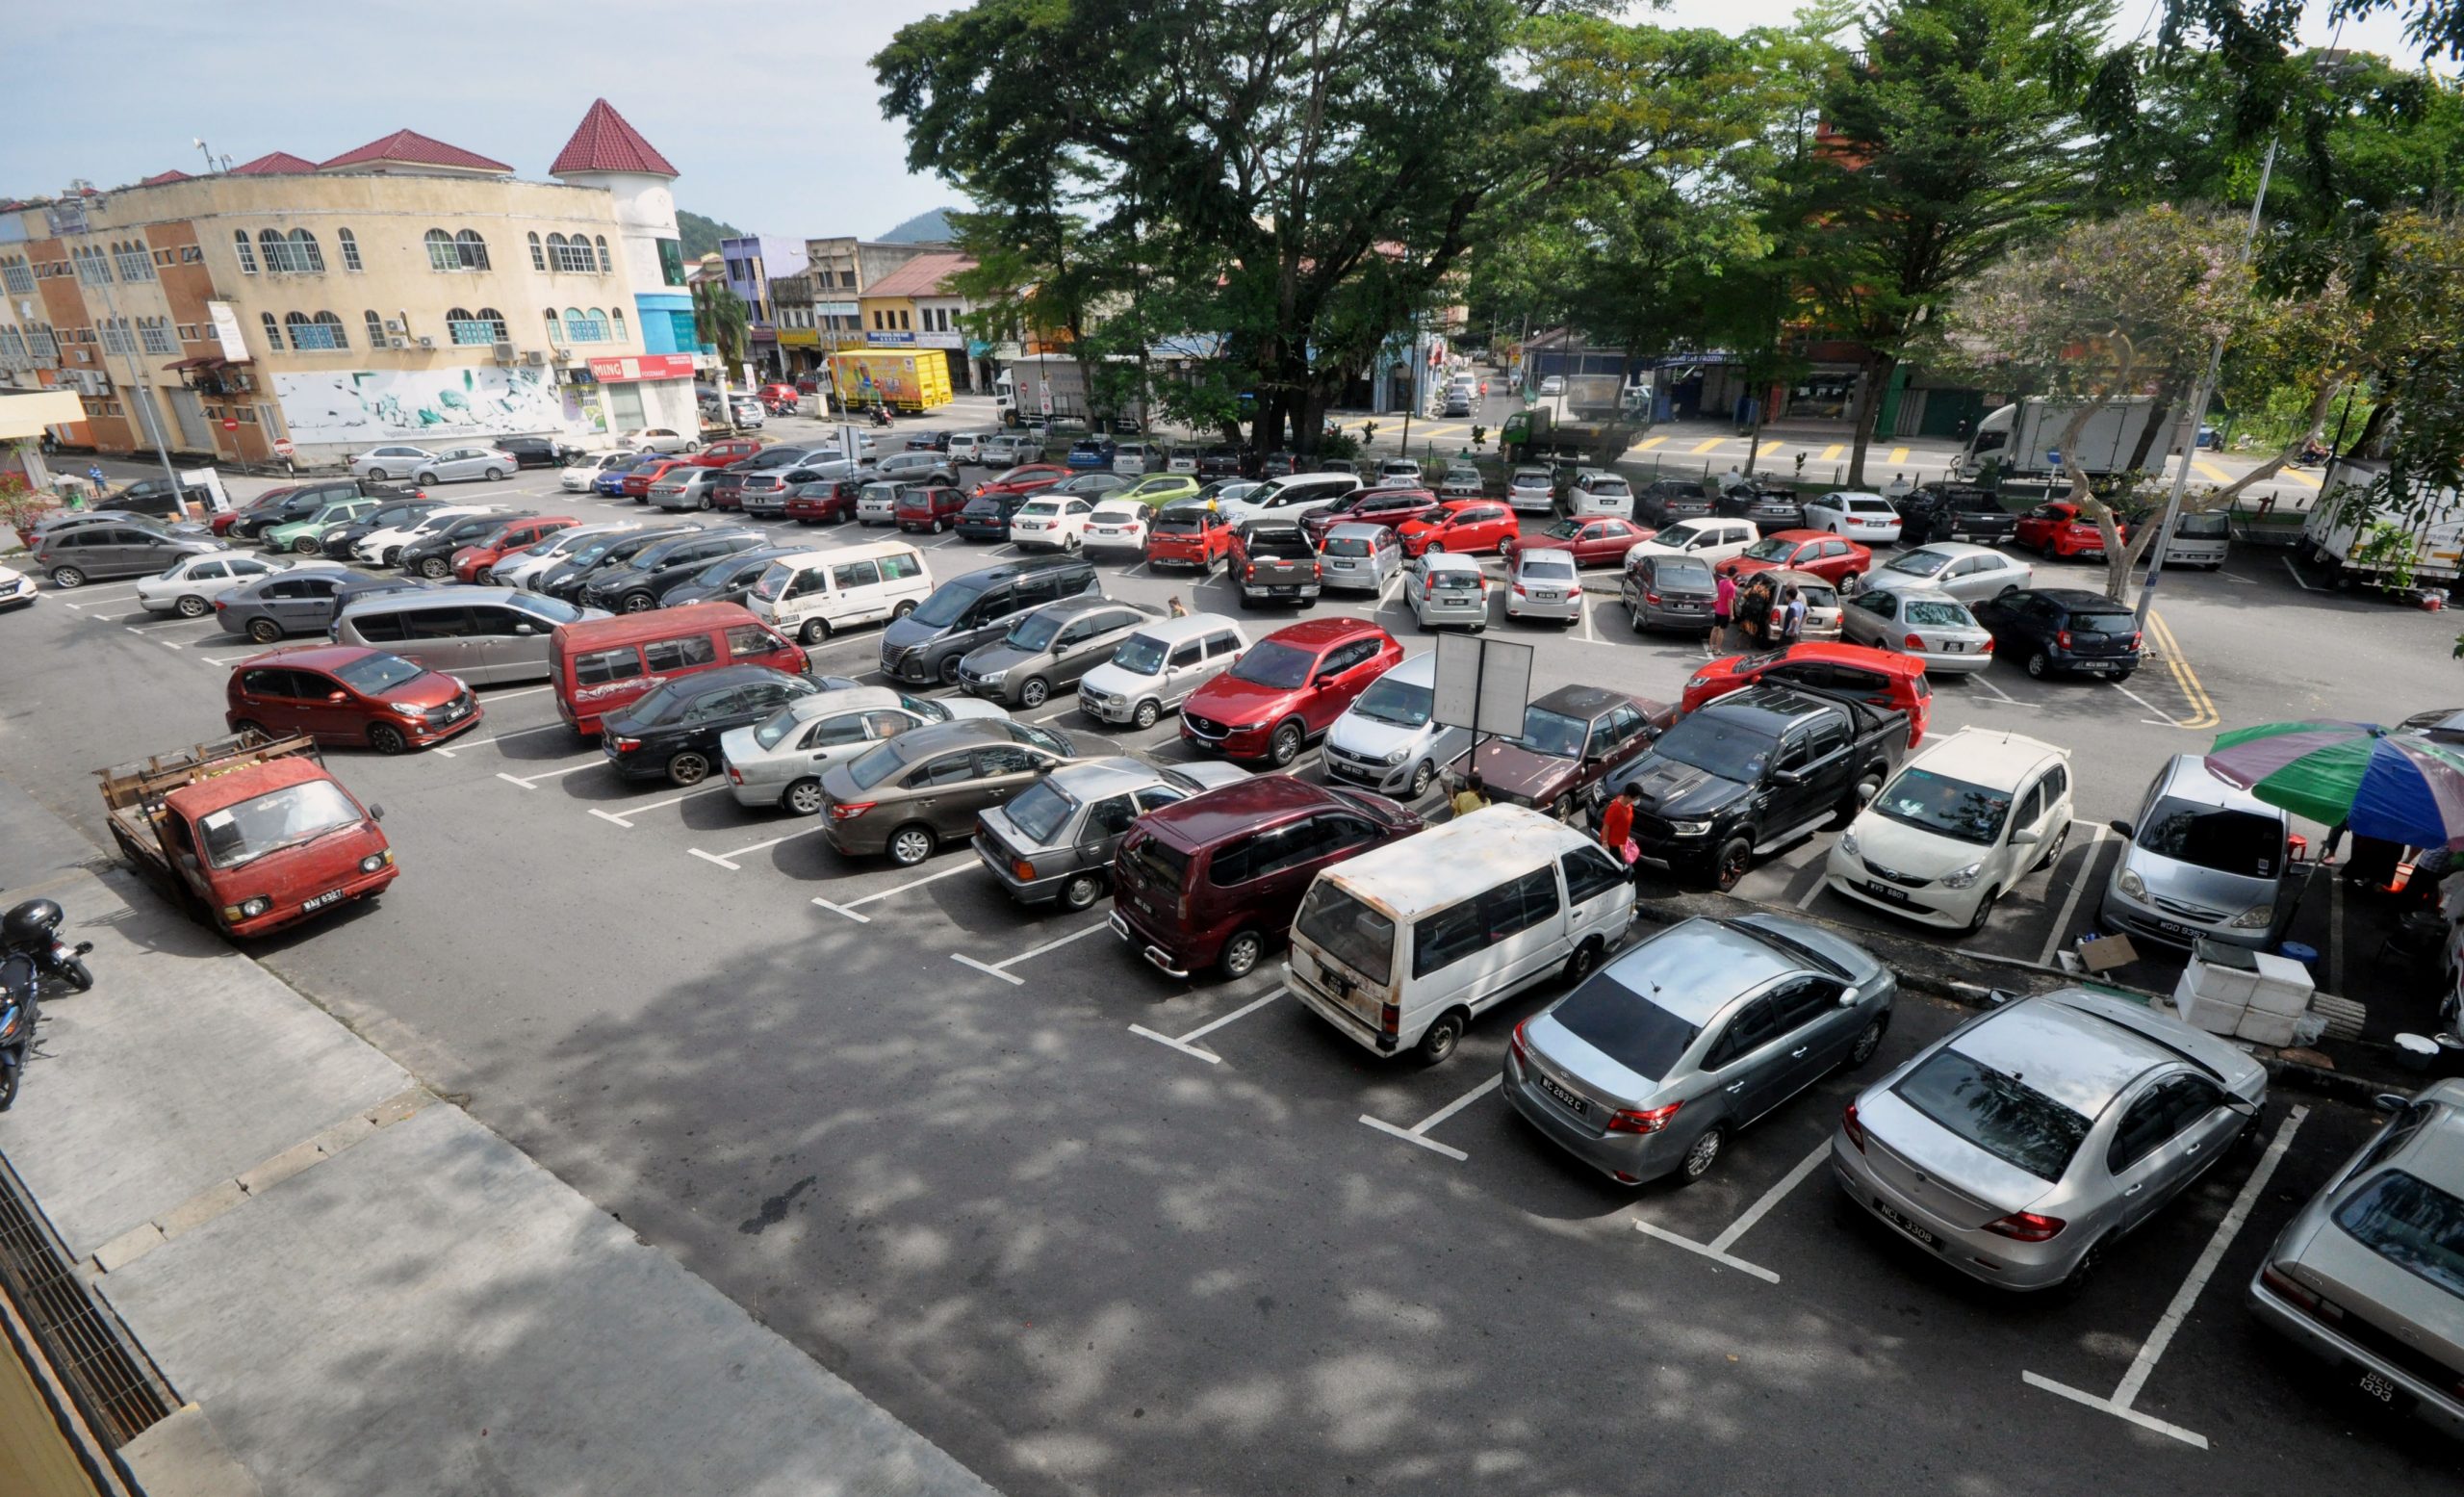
(348, 1285)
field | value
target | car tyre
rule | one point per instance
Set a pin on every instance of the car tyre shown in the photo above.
(1439, 1040)
(485, 577)
(911, 844)
(1703, 1155)
(67, 576)
(423, 477)
(688, 768)
(1506, 547)
(2053, 850)
(939, 525)
(902, 610)
(1242, 952)
(264, 632)
(386, 739)
(248, 725)
(1728, 864)
(493, 475)
(1420, 778)
(1146, 713)
(2085, 1272)
(1285, 745)
(1034, 691)
(949, 671)
(436, 568)
(1868, 1043)
(638, 603)
(813, 632)
(2120, 676)
(191, 608)
(305, 546)
(803, 799)
(1082, 890)
(379, 475)
(2040, 665)
(1586, 957)
(1983, 911)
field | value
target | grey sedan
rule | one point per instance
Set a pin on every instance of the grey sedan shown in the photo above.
(2370, 1277)
(2019, 1148)
(1055, 839)
(778, 761)
(1967, 572)
(1049, 649)
(1921, 624)
(445, 465)
(1648, 1067)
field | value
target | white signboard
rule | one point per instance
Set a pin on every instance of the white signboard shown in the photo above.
(1482, 685)
(357, 406)
(226, 331)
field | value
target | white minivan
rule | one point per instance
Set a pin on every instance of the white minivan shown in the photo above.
(1403, 945)
(814, 593)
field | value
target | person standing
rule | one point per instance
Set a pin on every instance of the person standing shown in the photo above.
(1617, 827)
(1470, 797)
(1792, 616)
(1723, 608)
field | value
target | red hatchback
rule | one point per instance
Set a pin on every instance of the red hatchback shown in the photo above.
(638, 480)
(1596, 542)
(1289, 689)
(348, 695)
(1463, 525)
(1188, 535)
(816, 500)
(727, 453)
(1025, 479)
(929, 506)
(471, 562)
(1881, 676)
(2061, 530)
(1836, 561)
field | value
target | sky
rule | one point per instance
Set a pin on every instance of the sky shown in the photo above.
(769, 113)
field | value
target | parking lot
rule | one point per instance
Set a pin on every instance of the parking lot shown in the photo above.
(1089, 1228)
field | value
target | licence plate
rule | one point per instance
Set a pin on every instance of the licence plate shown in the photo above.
(1952, 647)
(329, 896)
(1285, 592)
(1907, 1225)
(2177, 928)
(1140, 900)
(1887, 892)
(2378, 1385)
(1574, 1104)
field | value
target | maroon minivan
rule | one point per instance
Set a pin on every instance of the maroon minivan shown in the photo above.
(1217, 878)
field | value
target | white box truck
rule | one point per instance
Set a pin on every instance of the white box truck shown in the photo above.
(2371, 539)
(2026, 437)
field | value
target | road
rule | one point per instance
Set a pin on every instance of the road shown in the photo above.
(1085, 1261)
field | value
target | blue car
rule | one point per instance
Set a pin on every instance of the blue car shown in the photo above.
(1094, 452)
(611, 482)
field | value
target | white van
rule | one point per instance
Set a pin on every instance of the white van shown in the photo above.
(814, 593)
(2200, 540)
(1403, 945)
(1596, 491)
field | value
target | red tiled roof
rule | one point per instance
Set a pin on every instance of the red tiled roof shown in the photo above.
(274, 164)
(159, 178)
(605, 142)
(921, 276)
(413, 149)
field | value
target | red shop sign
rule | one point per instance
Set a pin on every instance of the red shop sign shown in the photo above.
(642, 366)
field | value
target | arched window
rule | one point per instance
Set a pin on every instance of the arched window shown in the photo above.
(247, 256)
(538, 261)
(440, 253)
(273, 332)
(616, 324)
(555, 328)
(606, 267)
(583, 326)
(295, 324)
(274, 249)
(305, 255)
(494, 321)
(332, 328)
(351, 250)
(473, 249)
(482, 326)
(375, 328)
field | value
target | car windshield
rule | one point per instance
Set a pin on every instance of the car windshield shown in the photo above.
(1553, 733)
(277, 819)
(1937, 613)
(1679, 535)
(1772, 548)
(1141, 654)
(1996, 1112)
(2114, 625)
(948, 606)
(1401, 702)
(1275, 665)
(2411, 1223)
(774, 581)
(375, 673)
(2209, 527)
(719, 571)
(595, 549)
(1335, 922)
(1919, 563)
(872, 768)
(1716, 747)
(1564, 530)
(1952, 808)
(1041, 810)
(1623, 1025)
(1684, 571)
(1035, 632)
(2240, 842)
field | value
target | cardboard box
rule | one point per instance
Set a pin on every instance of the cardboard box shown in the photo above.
(2107, 953)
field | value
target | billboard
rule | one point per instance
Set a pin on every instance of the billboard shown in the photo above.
(357, 406)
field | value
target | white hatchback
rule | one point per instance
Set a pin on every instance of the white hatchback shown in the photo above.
(190, 587)
(1707, 539)
(1869, 518)
(1059, 522)
(1960, 824)
(1117, 525)
(578, 478)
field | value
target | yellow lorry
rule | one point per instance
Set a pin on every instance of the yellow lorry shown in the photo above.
(914, 381)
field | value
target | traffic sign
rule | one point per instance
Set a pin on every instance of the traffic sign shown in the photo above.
(282, 447)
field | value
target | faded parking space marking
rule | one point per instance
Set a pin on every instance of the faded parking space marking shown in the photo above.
(727, 860)
(625, 818)
(1418, 1132)
(1717, 1249)
(2070, 900)
(848, 909)
(1001, 969)
(531, 781)
(1187, 1043)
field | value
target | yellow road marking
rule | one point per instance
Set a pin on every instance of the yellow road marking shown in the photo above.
(1831, 453)
(2203, 714)
(1899, 454)
(1645, 447)
(2303, 479)
(1701, 448)
(2211, 472)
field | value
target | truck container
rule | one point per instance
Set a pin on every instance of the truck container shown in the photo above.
(2369, 539)
(1053, 386)
(249, 833)
(1594, 419)
(2026, 437)
(907, 379)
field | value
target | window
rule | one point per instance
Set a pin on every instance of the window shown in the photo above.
(607, 665)
(2157, 1115)
(670, 270)
(681, 330)
(899, 566)
(462, 251)
(376, 330)
(572, 256)
(747, 639)
(135, 262)
(188, 332)
(20, 280)
(191, 254)
(91, 265)
(349, 248)
(483, 326)
(671, 655)
(1589, 874)
(855, 574)
(1754, 1026)
(471, 250)
(555, 327)
(616, 324)
(1801, 1000)
(585, 327)
(13, 343)
(319, 334)
(538, 261)
(606, 266)
(116, 338)
(273, 332)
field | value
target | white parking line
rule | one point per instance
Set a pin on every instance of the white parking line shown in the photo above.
(1001, 969)
(2070, 900)
(1717, 1249)
(1186, 1043)
(848, 909)
(2144, 1365)
(531, 781)
(623, 818)
(1418, 1132)
(2168, 721)
(1050, 717)
(727, 860)
(226, 659)
(1984, 683)
(497, 738)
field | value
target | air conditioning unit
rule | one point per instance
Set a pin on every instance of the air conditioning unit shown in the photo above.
(83, 356)
(505, 354)
(398, 343)
(534, 356)
(427, 343)
(394, 324)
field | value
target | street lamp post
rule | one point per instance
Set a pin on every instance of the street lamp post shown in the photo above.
(72, 220)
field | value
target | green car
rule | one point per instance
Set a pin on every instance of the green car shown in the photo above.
(1157, 490)
(307, 537)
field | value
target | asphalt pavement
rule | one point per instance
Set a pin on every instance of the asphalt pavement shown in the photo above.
(1080, 1258)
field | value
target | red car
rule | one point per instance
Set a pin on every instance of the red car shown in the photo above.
(1289, 689)
(1025, 479)
(471, 562)
(638, 480)
(1188, 535)
(349, 695)
(1596, 541)
(2060, 529)
(776, 395)
(1463, 525)
(727, 453)
(1828, 556)
(1879, 677)
(816, 500)
(1389, 508)
(929, 506)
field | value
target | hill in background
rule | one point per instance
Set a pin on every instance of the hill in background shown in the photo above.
(925, 228)
(701, 236)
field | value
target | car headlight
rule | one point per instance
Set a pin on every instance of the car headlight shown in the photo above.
(994, 678)
(375, 861)
(406, 709)
(1698, 680)
(1848, 844)
(1962, 878)
(250, 909)
(1690, 828)
(1399, 756)
(1246, 727)
(2131, 883)
(2257, 918)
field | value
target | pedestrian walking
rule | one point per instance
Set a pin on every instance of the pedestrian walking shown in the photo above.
(1723, 608)
(1792, 616)
(1617, 827)
(1470, 796)
(1172, 606)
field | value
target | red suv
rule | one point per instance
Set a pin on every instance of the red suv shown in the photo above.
(1389, 508)
(1214, 879)
(638, 480)
(349, 695)
(1463, 525)
(2060, 529)
(1839, 562)
(1289, 687)
(1188, 535)
(1881, 677)
(1025, 479)
(727, 453)
(816, 500)
(929, 506)
(471, 562)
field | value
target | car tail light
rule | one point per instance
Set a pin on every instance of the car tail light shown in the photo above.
(1853, 1128)
(626, 745)
(2062, 638)
(1913, 642)
(1317, 569)
(1649, 596)
(2287, 1287)
(1519, 592)
(1987, 647)
(2134, 639)
(1514, 1042)
(2027, 1227)
(1023, 869)
(850, 809)
(1428, 587)
(1390, 1017)
(1252, 570)
(220, 605)
(1650, 1120)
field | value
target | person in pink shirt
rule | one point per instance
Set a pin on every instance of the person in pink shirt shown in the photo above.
(1723, 605)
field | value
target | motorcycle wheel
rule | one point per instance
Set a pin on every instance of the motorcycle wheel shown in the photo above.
(11, 1068)
(79, 978)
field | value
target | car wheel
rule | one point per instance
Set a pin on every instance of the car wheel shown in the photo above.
(485, 577)
(1702, 1154)
(2040, 666)
(264, 632)
(1586, 957)
(2083, 1271)
(1506, 547)
(911, 844)
(393, 556)
(639, 602)
(1421, 777)
(1082, 890)
(1146, 713)
(690, 448)
(248, 725)
(67, 576)
(2121, 676)
(1285, 747)
(938, 526)
(386, 739)
(1240, 954)
(1439, 1039)
(813, 632)
(493, 475)
(435, 567)
(2053, 850)
(1983, 911)
(1848, 582)
(902, 610)
(1868, 1043)
(423, 477)
(688, 768)
(1730, 864)
(703, 504)
(305, 546)
(2006, 592)
(1070, 544)
(378, 474)
(949, 671)
(191, 608)
(803, 798)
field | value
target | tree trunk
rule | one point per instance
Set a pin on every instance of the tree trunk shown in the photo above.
(1869, 410)
(2158, 416)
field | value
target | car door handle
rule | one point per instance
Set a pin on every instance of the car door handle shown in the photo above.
(2192, 1149)
(1733, 1086)
(2133, 1190)
(1799, 1053)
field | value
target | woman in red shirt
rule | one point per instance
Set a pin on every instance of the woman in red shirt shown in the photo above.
(1617, 827)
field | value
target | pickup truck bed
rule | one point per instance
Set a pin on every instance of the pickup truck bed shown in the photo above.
(1272, 560)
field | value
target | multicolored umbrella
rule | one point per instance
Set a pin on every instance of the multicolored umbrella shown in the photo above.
(2396, 787)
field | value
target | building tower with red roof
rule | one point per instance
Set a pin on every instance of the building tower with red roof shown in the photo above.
(608, 153)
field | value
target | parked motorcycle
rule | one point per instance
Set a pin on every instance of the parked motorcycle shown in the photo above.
(32, 954)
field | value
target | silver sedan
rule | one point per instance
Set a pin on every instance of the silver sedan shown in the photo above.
(2021, 1146)
(1926, 626)
(1054, 840)
(1652, 1063)
(778, 761)
(1969, 573)
(443, 464)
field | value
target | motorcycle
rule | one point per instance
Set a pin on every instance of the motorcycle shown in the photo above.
(31, 954)
(881, 416)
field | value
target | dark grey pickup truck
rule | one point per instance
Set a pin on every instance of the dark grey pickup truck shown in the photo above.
(1273, 563)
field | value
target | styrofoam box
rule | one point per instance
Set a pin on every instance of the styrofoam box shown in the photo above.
(2283, 987)
(2264, 1028)
(2201, 1012)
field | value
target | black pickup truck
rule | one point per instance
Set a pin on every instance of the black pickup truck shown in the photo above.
(1955, 512)
(1273, 563)
(1754, 770)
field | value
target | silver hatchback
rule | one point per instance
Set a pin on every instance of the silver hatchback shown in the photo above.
(1360, 556)
(2203, 861)
(1389, 739)
(1445, 587)
(1053, 843)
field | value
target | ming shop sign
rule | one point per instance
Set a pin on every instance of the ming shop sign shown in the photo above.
(642, 366)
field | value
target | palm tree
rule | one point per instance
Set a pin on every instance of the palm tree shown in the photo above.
(722, 321)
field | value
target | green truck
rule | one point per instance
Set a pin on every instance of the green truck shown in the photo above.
(1594, 420)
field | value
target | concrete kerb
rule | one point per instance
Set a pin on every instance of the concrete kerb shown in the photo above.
(1971, 979)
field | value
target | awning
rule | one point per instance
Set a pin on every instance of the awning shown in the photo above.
(199, 362)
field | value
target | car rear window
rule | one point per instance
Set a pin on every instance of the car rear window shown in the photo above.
(1346, 545)
(1339, 924)
(2115, 624)
(1626, 1026)
(1042, 810)
(2238, 842)
(1998, 1113)
(2411, 1223)
(1160, 863)
(1936, 614)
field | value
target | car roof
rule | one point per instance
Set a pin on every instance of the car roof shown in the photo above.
(2077, 598)
(1175, 631)
(1228, 809)
(1114, 774)
(1448, 561)
(1861, 657)
(1455, 858)
(2079, 1059)
(1774, 706)
(1986, 755)
(957, 733)
(316, 657)
(1576, 701)
(847, 699)
(861, 551)
(1698, 967)
(625, 629)
(1959, 548)
(1316, 633)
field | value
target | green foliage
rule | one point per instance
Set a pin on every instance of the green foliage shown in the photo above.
(722, 320)
(700, 236)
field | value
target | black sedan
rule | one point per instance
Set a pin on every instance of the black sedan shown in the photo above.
(432, 555)
(1220, 462)
(672, 733)
(727, 579)
(2065, 630)
(537, 451)
(339, 539)
(275, 506)
(987, 516)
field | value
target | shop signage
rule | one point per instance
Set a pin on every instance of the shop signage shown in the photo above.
(642, 366)
(226, 331)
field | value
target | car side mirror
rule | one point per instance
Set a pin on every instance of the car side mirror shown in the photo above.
(524, 628)
(1866, 791)
(1324, 677)
(375, 812)
(337, 698)
(2390, 1101)
(1788, 777)
(2119, 829)
(2024, 837)
(1848, 998)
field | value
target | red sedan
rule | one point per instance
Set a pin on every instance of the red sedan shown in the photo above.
(1392, 509)
(1463, 525)
(1025, 479)
(724, 455)
(638, 480)
(471, 562)
(1879, 677)
(1596, 542)
(2060, 528)
(1828, 556)
(348, 695)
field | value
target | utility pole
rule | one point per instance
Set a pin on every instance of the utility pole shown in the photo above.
(2206, 390)
(72, 220)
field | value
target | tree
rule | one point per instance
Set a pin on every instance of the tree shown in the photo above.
(722, 320)
(1954, 141)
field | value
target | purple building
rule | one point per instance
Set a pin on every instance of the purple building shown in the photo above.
(752, 263)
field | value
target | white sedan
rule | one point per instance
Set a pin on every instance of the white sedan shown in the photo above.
(1932, 626)
(1117, 523)
(1963, 822)
(578, 478)
(1060, 523)
(1969, 573)
(190, 586)
(16, 589)
(658, 439)
(1869, 518)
